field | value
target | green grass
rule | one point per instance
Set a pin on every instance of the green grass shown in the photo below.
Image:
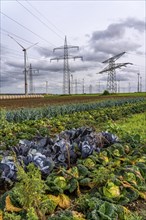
(134, 124)
(139, 94)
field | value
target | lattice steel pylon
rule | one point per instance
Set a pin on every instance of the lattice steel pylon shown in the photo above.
(111, 80)
(66, 57)
(31, 72)
(30, 80)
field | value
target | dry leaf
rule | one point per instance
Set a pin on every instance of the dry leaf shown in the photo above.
(1, 215)
(10, 207)
(64, 201)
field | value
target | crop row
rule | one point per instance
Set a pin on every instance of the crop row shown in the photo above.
(12, 132)
(53, 111)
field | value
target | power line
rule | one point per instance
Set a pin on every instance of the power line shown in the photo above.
(26, 28)
(39, 19)
(18, 37)
(16, 52)
(44, 17)
(15, 35)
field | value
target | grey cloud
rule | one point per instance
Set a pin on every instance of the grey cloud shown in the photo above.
(136, 24)
(115, 47)
(117, 30)
(15, 64)
(95, 56)
(44, 52)
(11, 78)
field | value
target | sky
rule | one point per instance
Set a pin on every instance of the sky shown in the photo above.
(101, 29)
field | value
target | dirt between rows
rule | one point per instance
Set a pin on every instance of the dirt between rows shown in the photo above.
(53, 100)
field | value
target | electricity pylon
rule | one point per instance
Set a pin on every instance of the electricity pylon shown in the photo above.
(66, 57)
(111, 80)
(25, 65)
(31, 83)
(30, 80)
(138, 84)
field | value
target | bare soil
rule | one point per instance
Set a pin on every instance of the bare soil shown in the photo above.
(52, 100)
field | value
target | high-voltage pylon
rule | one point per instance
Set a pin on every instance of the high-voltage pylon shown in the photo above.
(30, 80)
(31, 83)
(66, 57)
(111, 80)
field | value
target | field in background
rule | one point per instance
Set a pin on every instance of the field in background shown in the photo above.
(41, 101)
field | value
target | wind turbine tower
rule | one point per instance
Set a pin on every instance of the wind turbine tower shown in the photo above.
(25, 65)
(111, 69)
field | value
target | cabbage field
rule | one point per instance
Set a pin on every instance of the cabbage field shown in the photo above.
(74, 161)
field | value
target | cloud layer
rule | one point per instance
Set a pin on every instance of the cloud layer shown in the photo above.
(101, 45)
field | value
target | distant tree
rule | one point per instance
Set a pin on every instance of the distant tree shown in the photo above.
(106, 92)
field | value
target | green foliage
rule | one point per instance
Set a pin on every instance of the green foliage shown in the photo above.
(53, 111)
(133, 216)
(122, 164)
(83, 171)
(62, 215)
(97, 209)
(30, 192)
(31, 214)
(12, 216)
(60, 182)
(92, 115)
(57, 186)
(30, 186)
(106, 92)
(100, 175)
(131, 129)
(110, 190)
(72, 185)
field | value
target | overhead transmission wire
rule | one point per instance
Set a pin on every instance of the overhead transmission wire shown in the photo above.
(18, 37)
(64, 34)
(8, 32)
(27, 28)
(40, 20)
(17, 53)
(44, 17)
(10, 49)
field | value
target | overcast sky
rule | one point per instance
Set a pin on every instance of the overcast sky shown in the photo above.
(101, 29)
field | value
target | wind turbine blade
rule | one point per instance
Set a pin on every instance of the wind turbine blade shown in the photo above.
(31, 46)
(16, 42)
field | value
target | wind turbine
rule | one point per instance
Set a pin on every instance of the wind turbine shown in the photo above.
(25, 66)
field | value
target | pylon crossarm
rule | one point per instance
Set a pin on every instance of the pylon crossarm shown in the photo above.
(69, 57)
(78, 57)
(114, 58)
(66, 47)
(116, 66)
(71, 47)
(58, 48)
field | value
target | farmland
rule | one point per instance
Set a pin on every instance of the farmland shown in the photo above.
(106, 182)
(58, 99)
